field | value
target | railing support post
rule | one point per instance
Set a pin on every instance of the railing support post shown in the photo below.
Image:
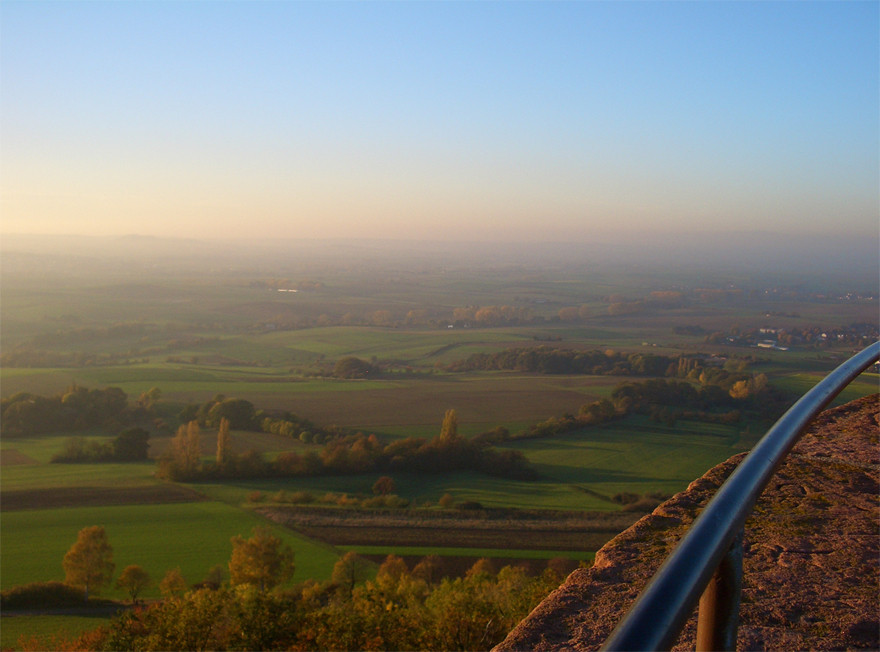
(719, 605)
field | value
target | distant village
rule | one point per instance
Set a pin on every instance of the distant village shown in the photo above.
(781, 339)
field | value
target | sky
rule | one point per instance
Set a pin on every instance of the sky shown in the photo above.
(454, 120)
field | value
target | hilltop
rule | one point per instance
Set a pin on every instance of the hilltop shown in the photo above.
(811, 551)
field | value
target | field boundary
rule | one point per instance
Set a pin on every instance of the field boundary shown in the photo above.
(495, 529)
(14, 457)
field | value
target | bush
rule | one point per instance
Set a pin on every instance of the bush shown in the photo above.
(625, 498)
(352, 367)
(302, 498)
(391, 501)
(38, 595)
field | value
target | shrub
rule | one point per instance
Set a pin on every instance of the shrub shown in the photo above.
(38, 595)
(302, 497)
(352, 367)
(625, 498)
(392, 501)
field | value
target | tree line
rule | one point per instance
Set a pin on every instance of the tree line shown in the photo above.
(343, 452)
(720, 397)
(395, 610)
(249, 605)
(77, 408)
(131, 445)
(544, 359)
(347, 454)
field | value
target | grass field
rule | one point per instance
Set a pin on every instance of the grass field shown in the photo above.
(24, 476)
(633, 455)
(800, 383)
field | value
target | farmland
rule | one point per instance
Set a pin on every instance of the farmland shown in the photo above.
(196, 329)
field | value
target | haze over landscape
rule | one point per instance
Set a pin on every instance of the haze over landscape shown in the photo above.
(362, 325)
(503, 121)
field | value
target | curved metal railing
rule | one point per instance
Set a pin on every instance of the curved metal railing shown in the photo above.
(707, 563)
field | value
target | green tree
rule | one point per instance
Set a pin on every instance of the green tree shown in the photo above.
(89, 562)
(133, 579)
(132, 445)
(352, 367)
(240, 413)
(263, 560)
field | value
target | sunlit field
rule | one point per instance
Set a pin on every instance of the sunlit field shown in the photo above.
(193, 536)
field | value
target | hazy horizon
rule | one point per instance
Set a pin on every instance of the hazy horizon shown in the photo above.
(480, 122)
(775, 257)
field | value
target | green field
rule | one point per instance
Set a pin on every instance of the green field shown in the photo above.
(193, 536)
(801, 383)
(632, 455)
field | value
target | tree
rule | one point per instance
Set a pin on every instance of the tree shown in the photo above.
(240, 413)
(89, 562)
(391, 570)
(384, 486)
(186, 452)
(149, 398)
(740, 389)
(263, 560)
(215, 577)
(133, 579)
(449, 429)
(173, 584)
(132, 445)
(352, 367)
(481, 567)
(350, 570)
(223, 442)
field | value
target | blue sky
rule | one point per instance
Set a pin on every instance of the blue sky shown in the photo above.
(438, 120)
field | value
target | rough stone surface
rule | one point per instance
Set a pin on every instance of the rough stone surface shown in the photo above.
(811, 552)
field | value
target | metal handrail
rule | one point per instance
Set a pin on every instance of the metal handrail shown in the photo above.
(708, 559)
